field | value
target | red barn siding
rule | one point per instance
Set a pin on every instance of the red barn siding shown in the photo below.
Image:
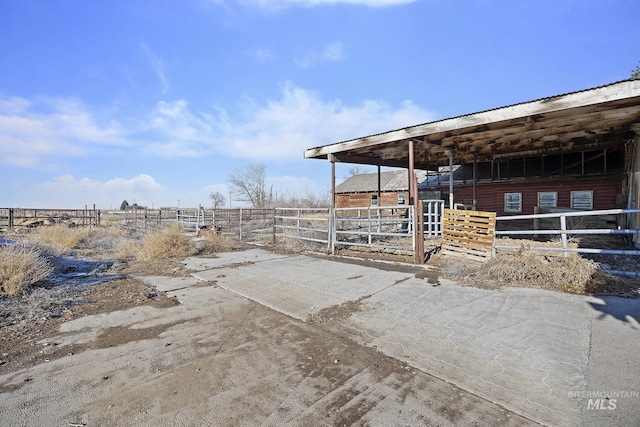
(606, 191)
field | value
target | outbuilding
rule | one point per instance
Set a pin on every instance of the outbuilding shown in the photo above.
(388, 188)
(577, 150)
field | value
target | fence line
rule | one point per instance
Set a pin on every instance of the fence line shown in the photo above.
(314, 226)
(31, 217)
(433, 213)
(373, 227)
(564, 232)
(247, 224)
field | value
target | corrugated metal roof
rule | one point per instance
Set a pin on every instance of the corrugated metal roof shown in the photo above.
(548, 98)
(459, 173)
(368, 182)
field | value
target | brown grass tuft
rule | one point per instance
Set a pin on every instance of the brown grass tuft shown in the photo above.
(21, 266)
(530, 268)
(60, 238)
(127, 250)
(570, 274)
(212, 243)
(164, 244)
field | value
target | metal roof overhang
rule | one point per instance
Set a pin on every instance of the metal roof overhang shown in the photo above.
(591, 119)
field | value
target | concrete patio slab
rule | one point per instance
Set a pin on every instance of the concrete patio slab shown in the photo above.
(225, 259)
(528, 349)
(525, 348)
(301, 286)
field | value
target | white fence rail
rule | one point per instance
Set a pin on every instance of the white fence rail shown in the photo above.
(433, 213)
(245, 224)
(308, 224)
(564, 232)
(382, 227)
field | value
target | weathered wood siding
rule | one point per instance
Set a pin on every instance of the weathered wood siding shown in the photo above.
(361, 200)
(606, 193)
(468, 233)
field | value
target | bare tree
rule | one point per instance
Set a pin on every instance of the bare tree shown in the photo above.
(635, 74)
(355, 170)
(217, 199)
(306, 199)
(248, 185)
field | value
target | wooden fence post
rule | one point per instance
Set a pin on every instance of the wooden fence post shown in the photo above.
(274, 226)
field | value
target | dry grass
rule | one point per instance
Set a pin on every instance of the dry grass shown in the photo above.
(536, 269)
(20, 267)
(59, 238)
(212, 243)
(570, 274)
(127, 250)
(165, 243)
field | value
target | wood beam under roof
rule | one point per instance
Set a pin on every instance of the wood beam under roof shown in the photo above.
(585, 120)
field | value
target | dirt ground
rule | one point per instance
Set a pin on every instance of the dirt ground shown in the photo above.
(38, 315)
(224, 352)
(19, 335)
(249, 355)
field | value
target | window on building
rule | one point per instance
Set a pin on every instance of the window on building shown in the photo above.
(374, 200)
(401, 199)
(513, 202)
(548, 199)
(582, 199)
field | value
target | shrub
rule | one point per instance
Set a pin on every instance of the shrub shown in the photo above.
(127, 250)
(570, 274)
(60, 238)
(165, 243)
(212, 243)
(21, 266)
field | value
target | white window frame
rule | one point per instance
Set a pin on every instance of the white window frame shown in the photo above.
(507, 208)
(374, 200)
(584, 193)
(403, 197)
(547, 193)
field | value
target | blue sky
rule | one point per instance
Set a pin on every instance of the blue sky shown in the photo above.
(156, 101)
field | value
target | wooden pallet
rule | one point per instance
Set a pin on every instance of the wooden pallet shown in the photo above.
(469, 234)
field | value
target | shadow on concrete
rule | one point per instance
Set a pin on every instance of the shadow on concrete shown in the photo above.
(619, 308)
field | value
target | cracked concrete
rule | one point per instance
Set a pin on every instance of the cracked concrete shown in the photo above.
(270, 339)
(530, 350)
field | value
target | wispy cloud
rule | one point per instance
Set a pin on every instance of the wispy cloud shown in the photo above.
(173, 130)
(33, 130)
(301, 119)
(332, 53)
(157, 66)
(263, 55)
(64, 190)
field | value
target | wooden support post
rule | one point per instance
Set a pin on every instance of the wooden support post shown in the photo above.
(379, 189)
(412, 196)
(451, 179)
(475, 181)
(332, 159)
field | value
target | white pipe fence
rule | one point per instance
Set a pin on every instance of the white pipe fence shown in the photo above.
(564, 232)
(308, 224)
(382, 227)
